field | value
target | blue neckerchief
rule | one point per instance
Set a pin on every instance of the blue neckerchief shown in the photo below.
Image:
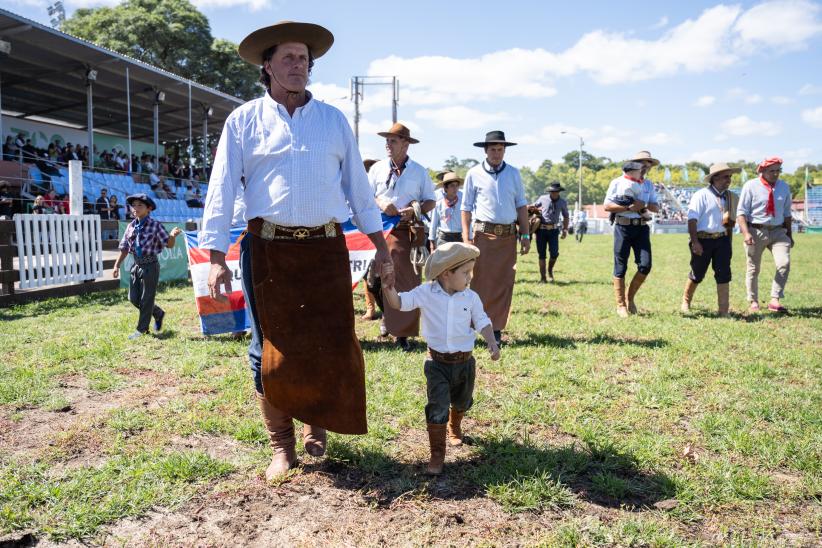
(138, 229)
(493, 172)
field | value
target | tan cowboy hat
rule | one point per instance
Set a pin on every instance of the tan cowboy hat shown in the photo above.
(716, 169)
(645, 156)
(448, 256)
(400, 131)
(317, 38)
(449, 177)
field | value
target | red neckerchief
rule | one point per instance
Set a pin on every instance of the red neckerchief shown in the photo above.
(771, 208)
(632, 179)
(450, 204)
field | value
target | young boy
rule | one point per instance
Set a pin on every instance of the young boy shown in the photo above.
(145, 238)
(450, 314)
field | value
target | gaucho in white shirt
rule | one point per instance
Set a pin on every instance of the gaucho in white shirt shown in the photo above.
(397, 183)
(710, 224)
(301, 171)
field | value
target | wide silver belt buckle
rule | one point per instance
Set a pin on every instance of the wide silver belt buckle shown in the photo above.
(330, 230)
(498, 230)
(268, 231)
(301, 234)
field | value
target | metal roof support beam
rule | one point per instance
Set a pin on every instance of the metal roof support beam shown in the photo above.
(90, 122)
(206, 111)
(157, 129)
(1, 112)
(128, 115)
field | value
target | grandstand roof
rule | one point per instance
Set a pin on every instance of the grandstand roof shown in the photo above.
(45, 77)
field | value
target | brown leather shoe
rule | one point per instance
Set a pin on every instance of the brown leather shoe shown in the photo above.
(454, 429)
(436, 439)
(280, 429)
(314, 440)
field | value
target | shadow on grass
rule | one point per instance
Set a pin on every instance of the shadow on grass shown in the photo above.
(808, 312)
(562, 283)
(382, 344)
(548, 339)
(519, 476)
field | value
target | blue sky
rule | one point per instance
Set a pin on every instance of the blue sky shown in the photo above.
(704, 81)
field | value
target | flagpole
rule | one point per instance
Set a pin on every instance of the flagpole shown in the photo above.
(807, 181)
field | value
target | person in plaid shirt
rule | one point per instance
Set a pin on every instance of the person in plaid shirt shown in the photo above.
(145, 238)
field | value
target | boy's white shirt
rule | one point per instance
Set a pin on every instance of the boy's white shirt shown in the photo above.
(446, 319)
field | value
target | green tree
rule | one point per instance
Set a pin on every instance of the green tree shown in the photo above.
(460, 167)
(169, 34)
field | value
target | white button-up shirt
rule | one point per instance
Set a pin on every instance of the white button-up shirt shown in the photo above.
(753, 202)
(622, 186)
(413, 184)
(493, 198)
(300, 170)
(706, 209)
(447, 219)
(447, 320)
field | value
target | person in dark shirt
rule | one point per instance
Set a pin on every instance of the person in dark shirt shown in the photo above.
(6, 200)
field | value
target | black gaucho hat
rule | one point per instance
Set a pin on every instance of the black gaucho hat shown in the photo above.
(496, 137)
(143, 197)
(556, 187)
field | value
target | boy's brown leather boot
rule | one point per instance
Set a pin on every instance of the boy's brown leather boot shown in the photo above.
(454, 429)
(436, 439)
(636, 283)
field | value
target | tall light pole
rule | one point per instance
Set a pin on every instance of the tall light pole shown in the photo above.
(581, 142)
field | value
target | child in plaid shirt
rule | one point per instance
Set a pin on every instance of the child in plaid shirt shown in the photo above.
(145, 238)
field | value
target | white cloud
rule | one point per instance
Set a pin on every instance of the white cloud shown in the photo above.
(813, 117)
(659, 138)
(719, 37)
(333, 95)
(744, 126)
(663, 22)
(601, 139)
(781, 100)
(729, 154)
(784, 24)
(459, 117)
(705, 101)
(253, 5)
(753, 99)
(810, 89)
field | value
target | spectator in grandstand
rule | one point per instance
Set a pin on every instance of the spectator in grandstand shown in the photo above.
(711, 219)
(101, 206)
(85, 156)
(9, 149)
(51, 153)
(192, 197)
(549, 208)
(39, 207)
(63, 204)
(51, 200)
(764, 217)
(145, 238)
(6, 201)
(136, 165)
(114, 208)
(20, 142)
(29, 152)
(314, 369)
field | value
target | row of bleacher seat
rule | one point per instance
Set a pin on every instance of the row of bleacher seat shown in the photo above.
(123, 185)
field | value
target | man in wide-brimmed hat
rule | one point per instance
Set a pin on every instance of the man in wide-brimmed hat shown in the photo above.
(495, 207)
(446, 220)
(549, 207)
(399, 183)
(711, 219)
(302, 171)
(764, 217)
(631, 230)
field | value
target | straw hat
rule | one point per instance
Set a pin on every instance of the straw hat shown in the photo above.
(400, 131)
(716, 169)
(495, 137)
(318, 40)
(645, 156)
(449, 177)
(448, 256)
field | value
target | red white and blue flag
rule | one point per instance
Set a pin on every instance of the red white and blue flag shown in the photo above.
(229, 317)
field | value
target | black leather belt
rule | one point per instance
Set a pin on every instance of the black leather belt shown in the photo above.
(270, 231)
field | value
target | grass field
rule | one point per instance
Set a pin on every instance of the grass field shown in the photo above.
(661, 430)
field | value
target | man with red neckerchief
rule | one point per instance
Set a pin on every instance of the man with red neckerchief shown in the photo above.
(764, 217)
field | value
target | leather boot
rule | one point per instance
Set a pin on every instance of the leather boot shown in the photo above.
(314, 440)
(370, 307)
(551, 262)
(688, 296)
(542, 277)
(436, 439)
(280, 429)
(619, 293)
(723, 299)
(636, 283)
(454, 429)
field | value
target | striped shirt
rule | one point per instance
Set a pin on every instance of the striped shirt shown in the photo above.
(300, 170)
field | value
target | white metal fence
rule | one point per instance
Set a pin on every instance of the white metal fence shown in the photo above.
(58, 249)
